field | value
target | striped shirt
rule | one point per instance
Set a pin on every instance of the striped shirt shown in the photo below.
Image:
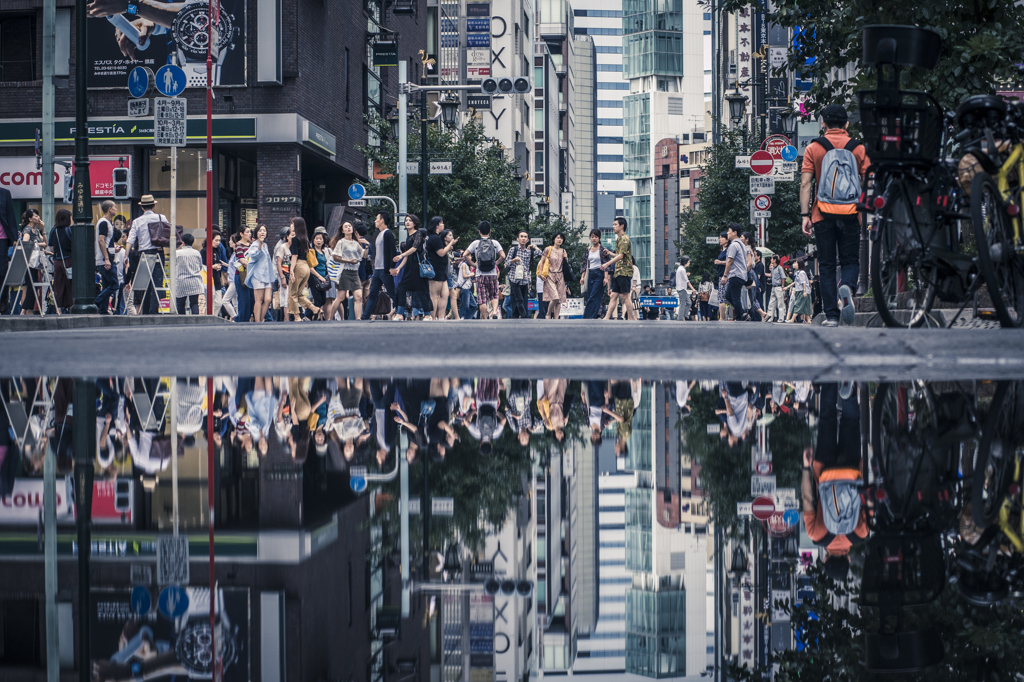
(189, 265)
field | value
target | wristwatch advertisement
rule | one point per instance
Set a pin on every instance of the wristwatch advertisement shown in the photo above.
(190, 36)
(150, 33)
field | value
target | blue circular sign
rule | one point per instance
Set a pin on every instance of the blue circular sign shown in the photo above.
(141, 601)
(357, 483)
(138, 82)
(170, 80)
(173, 602)
(356, 192)
(788, 153)
(791, 517)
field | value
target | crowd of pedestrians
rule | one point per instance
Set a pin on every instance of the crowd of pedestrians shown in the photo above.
(368, 272)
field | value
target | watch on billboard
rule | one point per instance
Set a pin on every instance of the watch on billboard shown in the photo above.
(153, 37)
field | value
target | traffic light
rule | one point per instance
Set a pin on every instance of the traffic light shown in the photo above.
(122, 183)
(506, 86)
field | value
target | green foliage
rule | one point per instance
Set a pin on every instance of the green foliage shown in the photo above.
(725, 198)
(982, 41)
(725, 466)
(981, 643)
(484, 184)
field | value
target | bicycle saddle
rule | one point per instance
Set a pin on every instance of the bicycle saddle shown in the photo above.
(981, 110)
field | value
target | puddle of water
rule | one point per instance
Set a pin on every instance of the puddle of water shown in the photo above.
(659, 529)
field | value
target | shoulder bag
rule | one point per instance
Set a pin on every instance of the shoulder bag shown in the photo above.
(544, 269)
(426, 269)
(160, 233)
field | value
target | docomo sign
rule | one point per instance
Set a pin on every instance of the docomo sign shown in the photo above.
(19, 175)
(25, 502)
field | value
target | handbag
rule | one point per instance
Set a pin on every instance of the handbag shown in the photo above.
(320, 284)
(383, 306)
(544, 269)
(160, 234)
(311, 259)
(333, 269)
(705, 296)
(426, 269)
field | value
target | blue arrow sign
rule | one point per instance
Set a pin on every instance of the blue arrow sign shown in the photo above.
(173, 602)
(356, 192)
(138, 82)
(141, 601)
(788, 153)
(170, 80)
(357, 483)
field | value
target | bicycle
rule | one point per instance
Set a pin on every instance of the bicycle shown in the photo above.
(997, 194)
(912, 188)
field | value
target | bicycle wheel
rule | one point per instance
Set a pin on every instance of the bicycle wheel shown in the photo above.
(902, 283)
(998, 261)
(992, 475)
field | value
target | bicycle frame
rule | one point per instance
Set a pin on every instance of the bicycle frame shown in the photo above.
(1005, 523)
(1014, 162)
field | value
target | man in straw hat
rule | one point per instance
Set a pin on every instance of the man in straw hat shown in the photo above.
(139, 235)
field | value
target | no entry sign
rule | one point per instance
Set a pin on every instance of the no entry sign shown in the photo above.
(762, 508)
(761, 162)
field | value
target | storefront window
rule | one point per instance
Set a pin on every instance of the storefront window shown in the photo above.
(191, 170)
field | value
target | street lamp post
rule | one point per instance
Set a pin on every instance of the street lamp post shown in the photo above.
(84, 241)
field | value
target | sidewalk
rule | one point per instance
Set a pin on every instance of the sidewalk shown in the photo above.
(34, 323)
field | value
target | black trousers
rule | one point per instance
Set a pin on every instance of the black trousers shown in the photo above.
(520, 295)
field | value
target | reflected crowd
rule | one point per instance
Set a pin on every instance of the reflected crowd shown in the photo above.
(467, 527)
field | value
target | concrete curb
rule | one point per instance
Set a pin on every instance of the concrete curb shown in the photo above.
(32, 323)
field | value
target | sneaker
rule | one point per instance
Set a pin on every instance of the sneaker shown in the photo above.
(846, 390)
(848, 313)
(830, 323)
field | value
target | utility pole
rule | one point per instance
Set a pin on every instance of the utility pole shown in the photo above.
(84, 443)
(49, 465)
(211, 17)
(424, 171)
(84, 239)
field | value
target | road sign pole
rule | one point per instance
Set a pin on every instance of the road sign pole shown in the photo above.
(84, 441)
(210, 17)
(172, 286)
(403, 141)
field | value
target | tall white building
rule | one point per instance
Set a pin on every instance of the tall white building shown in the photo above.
(603, 22)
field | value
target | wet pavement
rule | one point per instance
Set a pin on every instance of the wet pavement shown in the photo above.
(528, 348)
(480, 527)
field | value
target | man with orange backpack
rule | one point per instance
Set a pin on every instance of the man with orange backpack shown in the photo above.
(830, 483)
(837, 164)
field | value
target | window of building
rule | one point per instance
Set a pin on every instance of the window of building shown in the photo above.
(609, 176)
(538, 162)
(609, 140)
(609, 67)
(608, 49)
(609, 158)
(538, 120)
(605, 13)
(371, 90)
(18, 47)
(684, 173)
(684, 194)
(597, 31)
(609, 104)
(609, 121)
(612, 86)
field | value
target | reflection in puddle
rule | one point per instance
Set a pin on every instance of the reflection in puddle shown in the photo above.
(491, 528)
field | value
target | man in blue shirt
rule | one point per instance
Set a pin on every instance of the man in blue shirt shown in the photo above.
(735, 277)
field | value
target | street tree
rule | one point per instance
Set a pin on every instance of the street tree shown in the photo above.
(725, 198)
(982, 41)
(485, 183)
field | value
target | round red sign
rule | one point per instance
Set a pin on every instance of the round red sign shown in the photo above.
(764, 467)
(761, 162)
(774, 145)
(762, 202)
(762, 508)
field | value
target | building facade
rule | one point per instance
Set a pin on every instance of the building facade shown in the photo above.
(293, 89)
